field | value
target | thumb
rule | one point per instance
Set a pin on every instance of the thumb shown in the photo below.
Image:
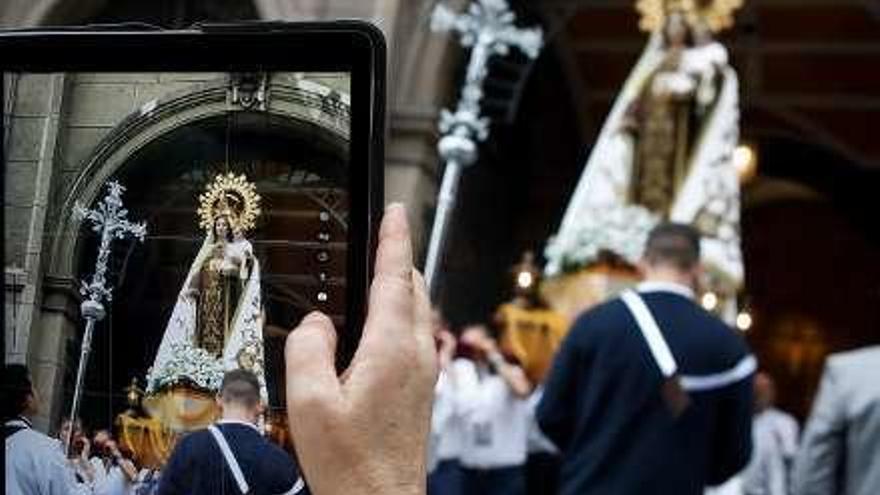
(309, 355)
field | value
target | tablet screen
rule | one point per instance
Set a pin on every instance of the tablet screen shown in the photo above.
(242, 183)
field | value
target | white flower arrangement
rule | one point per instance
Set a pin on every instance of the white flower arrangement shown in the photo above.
(187, 365)
(620, 230)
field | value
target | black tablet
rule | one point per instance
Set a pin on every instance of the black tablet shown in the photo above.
(252, 156)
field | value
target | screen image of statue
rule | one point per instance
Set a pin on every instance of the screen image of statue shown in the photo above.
(242, 181)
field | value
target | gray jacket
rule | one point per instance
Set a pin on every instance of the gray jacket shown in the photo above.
(840, 450)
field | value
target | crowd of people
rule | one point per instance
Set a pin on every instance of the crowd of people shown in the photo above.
(648, 394)
(482, 427)
(73, 461)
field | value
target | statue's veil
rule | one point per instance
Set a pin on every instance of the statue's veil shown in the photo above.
(712, 184)
(605, 178)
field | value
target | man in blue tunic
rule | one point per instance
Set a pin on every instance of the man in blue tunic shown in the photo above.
(231, 456)
(649, 393)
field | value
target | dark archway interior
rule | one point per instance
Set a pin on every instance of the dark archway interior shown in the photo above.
(812, 271)
(300, 174)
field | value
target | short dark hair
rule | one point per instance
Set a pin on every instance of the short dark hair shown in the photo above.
(15, 387)
(240, 387)
(673, 244)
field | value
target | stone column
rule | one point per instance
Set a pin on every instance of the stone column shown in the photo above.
(57, 323)
(31, 156)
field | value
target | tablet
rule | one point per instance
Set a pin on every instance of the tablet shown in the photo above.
(250, 153)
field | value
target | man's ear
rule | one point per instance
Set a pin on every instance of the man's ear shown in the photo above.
(32, 402)
(697, 275)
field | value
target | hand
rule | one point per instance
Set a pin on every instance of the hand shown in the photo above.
(366, 431)
(447, 346)
(479, 341)
(112, 448)
(86, 448)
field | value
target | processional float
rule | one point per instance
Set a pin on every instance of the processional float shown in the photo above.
(665, 153)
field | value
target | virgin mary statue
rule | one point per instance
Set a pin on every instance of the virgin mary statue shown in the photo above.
(665, 151)
(216, 324)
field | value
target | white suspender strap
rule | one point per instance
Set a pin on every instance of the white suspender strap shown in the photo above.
(699, 383)
(651, 332)
(296, 488)
(230, 459)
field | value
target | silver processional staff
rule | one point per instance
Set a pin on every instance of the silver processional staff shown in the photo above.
(108, 220)
(488, 29)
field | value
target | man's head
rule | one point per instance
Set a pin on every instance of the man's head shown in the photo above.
(672, 253)
(17, 394)
(240, 395)
(765, 391)
(64, 429)
(100, 440)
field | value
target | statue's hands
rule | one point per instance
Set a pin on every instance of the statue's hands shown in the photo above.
(190, 293)
(366, 431)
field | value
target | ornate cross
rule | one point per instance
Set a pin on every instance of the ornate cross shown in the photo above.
(488, 29)
(109, 220)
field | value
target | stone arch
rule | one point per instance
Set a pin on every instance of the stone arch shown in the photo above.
(307, 105)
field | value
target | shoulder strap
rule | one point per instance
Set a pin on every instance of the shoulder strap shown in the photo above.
(230, 459)
(651, 332)
(672, 391)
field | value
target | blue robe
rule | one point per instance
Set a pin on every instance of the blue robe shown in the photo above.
(197, 465)
(604, 409)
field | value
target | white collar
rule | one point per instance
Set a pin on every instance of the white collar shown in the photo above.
(20, 421)
(658, 286)
(237, 422)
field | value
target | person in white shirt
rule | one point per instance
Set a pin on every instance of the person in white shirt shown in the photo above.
(496, 416)
(35, 463)
(78, 456)
(775, 439)
(447, 426)
(111, 467)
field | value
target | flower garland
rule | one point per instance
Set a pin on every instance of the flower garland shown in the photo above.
(619, 230)
(187, 365)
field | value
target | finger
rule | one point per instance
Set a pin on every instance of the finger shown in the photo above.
(309, 356)
(390, 310)
(394, 253)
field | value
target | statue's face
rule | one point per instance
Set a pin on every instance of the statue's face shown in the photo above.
(676, 29)
(221, 228)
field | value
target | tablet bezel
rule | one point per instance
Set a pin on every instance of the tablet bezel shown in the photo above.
(342, 46)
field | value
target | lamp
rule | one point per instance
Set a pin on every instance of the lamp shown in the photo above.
(745, 160)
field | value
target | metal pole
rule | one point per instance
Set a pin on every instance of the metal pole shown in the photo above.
(80, 376)
(93, 312)
(445, 206)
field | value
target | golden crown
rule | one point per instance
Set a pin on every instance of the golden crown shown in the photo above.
(717, 15)
(231, 196)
